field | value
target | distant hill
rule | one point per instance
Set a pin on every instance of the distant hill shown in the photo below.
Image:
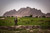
(25, 12)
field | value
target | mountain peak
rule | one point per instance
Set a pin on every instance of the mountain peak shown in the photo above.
(28, 7)
(13, 10)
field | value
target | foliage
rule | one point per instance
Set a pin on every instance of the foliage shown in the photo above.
(43, 16)
(30, 16)
(9, 21)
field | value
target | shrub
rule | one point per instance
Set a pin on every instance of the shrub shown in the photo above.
(30, 16)
(43, 16)
(36, 16)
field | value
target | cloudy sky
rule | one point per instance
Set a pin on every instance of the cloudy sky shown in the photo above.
(6, 5)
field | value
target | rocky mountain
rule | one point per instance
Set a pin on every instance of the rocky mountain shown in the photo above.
(10, 13)
(24, 12)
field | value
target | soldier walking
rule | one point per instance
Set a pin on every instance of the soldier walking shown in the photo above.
(16, 21)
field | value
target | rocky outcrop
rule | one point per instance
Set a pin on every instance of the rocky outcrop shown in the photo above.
(10, 13)
(25, 12)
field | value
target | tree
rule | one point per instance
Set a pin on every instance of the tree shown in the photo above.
(30, 16)
(43, 16)
(36, 16)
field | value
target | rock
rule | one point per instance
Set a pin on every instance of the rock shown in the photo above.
(31, 30)
(22, 12)
(2, 18)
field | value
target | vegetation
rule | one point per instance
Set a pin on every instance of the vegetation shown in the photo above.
(9, 21)
(43, 16)
(26, 31)
(30, 16)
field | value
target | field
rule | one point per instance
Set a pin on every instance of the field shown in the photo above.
(44, 23)
(9, 21)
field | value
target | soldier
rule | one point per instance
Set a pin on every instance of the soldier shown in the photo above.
(16, 21)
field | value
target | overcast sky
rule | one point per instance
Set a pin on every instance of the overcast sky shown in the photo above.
(6, 5)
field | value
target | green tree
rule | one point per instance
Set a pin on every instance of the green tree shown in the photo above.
(30, 16)
(43, 16)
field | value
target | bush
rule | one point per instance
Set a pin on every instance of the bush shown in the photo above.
(43, 16)
(36, 16)
(30, 16)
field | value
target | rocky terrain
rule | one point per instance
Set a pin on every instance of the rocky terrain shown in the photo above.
(26, 12)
